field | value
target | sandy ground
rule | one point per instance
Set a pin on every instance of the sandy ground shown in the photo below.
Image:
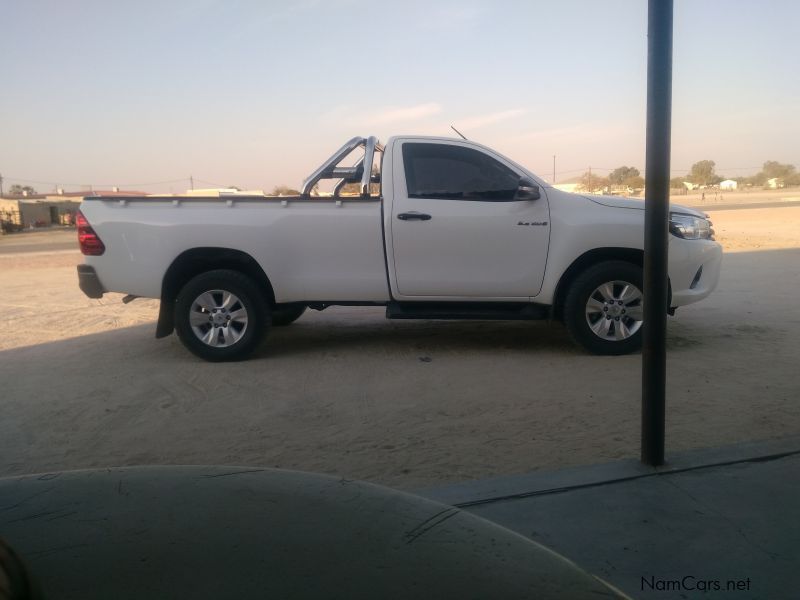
(711, 199)
(83, 383)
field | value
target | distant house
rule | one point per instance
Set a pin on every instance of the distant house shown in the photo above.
(775, 183)
(728, 184)
(620, 190)
(42, 210)
(689, 185)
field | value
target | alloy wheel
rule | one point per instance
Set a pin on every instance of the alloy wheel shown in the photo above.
(614, 310)
(218, 318)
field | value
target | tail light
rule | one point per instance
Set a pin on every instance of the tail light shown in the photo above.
(89, 241)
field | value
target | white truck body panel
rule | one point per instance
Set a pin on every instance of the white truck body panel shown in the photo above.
(310, 249)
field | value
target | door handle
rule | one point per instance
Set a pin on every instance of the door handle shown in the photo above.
(413, 216)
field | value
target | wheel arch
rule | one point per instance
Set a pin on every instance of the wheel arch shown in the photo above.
(583, 262)
(191, 263)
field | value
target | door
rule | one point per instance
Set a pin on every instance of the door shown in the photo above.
(459, 227)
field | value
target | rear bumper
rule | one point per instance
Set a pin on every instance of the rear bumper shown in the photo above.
(89, 282)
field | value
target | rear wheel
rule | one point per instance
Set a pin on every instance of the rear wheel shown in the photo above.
(221, 315)
(287, 314)
(603, 308)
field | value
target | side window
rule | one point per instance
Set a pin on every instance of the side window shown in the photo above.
(448, 172)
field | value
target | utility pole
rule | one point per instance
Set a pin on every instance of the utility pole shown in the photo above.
(1, 185)
(191, 182)
(591, 183)
(554, 169)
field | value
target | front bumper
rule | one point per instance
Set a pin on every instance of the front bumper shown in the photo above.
(89, 282)
(694, 267)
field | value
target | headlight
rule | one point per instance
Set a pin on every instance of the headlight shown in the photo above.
(690, 227)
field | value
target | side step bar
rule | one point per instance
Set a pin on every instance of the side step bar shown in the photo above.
(495, 311)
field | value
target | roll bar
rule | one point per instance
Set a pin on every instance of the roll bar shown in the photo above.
(361, 171)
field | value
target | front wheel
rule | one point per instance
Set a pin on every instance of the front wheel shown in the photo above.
(603, 308)
(221, 315)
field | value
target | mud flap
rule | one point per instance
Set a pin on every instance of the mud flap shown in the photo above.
(166, 318)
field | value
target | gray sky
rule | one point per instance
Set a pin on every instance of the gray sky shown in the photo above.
(258, 93)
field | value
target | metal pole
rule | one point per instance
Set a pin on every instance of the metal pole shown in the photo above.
(554, 169)
(656, 223)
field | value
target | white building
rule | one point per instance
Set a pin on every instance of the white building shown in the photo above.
(728, 184)
(775, 183)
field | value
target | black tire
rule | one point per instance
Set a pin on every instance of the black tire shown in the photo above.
(243, 338)
(287, 314)
(578, 321)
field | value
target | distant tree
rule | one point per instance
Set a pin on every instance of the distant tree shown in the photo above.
(18, 190)
(233, 187)
(635, 182)
(350, 189)
(773, 168)
(354, 188)
(702, 173)
(282, 190)
(677, 183)
(620, 174)
(590, 182)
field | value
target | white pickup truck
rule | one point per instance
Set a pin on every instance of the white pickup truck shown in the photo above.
(441, 229)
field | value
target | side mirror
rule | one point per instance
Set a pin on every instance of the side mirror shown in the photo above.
(527, 190)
